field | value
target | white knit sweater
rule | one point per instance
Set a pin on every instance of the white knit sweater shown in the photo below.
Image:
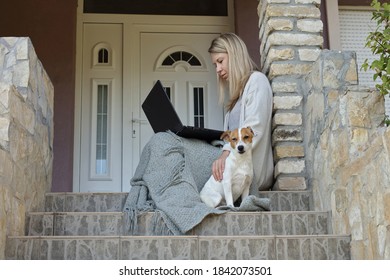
(256, 112)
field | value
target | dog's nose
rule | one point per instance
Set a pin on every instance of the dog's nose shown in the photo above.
(240, 148)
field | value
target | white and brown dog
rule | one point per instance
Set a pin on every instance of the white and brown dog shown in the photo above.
(238, 173)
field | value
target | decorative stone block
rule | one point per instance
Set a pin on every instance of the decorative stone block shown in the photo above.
(309, 2)
(310, 25)
(280, 24)
(290, 39)
(287, 102)
(288, 134)
(287, 119)
(309, 54)
(281, 86)
(286, 151)
(289, 69)
(290, 183)
(297, 11)
(285, 166)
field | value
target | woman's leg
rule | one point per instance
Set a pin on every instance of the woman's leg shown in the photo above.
(173, 170)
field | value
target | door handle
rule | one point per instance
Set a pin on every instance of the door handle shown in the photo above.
(140, 121)
(135, 121)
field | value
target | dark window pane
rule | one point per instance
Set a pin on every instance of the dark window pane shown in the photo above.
(176, 56)
(186, 56)
(194, 61)
(154, 7)
(103, 56)
(168, 61)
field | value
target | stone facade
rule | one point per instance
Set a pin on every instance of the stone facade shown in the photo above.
(348, 154)
(328, 135)
(26, 135)
(291, 40)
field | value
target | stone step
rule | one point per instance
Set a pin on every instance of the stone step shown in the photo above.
(232, 223)
(277, 247)
(113, 202)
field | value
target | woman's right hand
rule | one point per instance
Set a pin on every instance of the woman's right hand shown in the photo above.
(219, 166)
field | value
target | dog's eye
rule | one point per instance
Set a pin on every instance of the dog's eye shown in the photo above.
(234, 139)
(246, 137)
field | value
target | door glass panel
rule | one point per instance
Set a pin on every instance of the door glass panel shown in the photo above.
(103, 56)
(168, 92)
(102, 130)
(198, 107)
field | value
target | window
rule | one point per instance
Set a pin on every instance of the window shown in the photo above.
(153, 7)
(181, 56)
(103, 56)
(168, 92)
(198, 107)
(102, 130)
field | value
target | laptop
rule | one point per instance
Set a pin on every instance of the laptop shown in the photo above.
(162, 116)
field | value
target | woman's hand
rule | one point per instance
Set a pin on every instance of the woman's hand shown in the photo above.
(219, 166)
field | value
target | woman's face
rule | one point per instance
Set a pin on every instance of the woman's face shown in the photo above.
(221, 62)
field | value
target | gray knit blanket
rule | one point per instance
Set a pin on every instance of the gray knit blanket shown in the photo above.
(171, 172)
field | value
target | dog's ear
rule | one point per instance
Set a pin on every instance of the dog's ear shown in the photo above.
(252, 131)
(250, 128)
(225, 135)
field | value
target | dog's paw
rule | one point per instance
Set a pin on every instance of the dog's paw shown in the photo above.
(227, 208)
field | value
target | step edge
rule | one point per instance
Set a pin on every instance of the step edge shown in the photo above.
(121, 193)
(150, 212)
(181, 236)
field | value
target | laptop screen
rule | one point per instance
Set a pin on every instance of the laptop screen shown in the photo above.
(160, 111)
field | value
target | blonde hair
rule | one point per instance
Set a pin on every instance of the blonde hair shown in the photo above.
(240, 66)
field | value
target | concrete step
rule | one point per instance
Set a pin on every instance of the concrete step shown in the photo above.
(113, 202)
(277, 247)
(229, 224)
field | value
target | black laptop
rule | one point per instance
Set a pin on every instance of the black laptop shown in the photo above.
(162, 117)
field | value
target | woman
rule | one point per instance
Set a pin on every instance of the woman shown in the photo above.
(172, 170)
(250, 104)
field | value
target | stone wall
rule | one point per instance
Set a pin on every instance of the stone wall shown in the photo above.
(348, 154)
(328, 134)
(26, 135)
(291, 40)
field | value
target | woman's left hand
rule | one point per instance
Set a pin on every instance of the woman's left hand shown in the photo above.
(219, 166)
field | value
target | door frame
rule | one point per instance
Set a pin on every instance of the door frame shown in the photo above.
(133, 26)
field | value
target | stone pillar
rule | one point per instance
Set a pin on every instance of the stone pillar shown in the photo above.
(26, 135)
(291, 40)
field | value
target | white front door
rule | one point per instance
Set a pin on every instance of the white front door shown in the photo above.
(115, 79)
(182, 63)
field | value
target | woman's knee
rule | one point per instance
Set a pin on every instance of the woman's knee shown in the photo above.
(164, 142)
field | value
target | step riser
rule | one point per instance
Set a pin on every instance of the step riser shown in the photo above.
(181, 248)
(111, 224)
(113, 202)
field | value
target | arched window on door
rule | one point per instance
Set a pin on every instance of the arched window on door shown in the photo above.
(102, 56)
(183, 56)
(180, 56)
